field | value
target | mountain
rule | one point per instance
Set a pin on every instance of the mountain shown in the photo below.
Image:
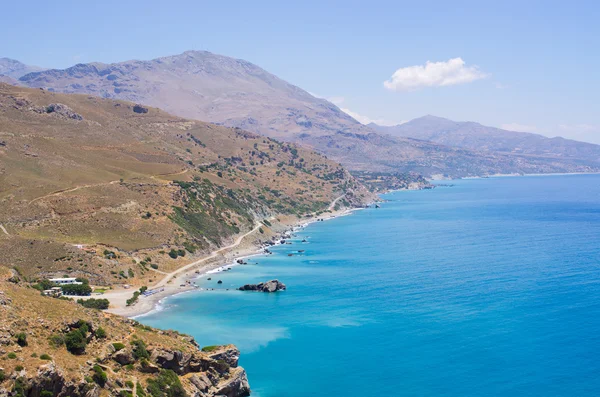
(474, 136)
(103, 189)
(15, 69)
(236, 93)
(204, 86)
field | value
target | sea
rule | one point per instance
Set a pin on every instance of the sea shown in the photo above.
(481, 287)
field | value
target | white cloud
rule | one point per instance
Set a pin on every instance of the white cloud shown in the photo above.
(519, 127)
(433, 74)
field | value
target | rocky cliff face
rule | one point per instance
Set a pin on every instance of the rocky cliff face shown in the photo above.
(115, 356)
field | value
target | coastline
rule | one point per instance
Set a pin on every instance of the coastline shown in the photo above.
(182, 280)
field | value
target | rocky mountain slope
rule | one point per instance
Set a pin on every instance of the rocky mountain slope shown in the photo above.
(474, 136)
(121, 193)
(15, 69)
(237, 93)
(52, 347)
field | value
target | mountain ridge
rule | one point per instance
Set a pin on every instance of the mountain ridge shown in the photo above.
(476, 136)
(236, 93)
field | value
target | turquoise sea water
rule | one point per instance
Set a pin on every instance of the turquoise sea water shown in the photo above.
(487, 288)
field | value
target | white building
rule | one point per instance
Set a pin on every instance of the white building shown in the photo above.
(63, 281)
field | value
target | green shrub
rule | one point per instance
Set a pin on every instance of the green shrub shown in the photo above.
(75, 342)
(154, 266)
(100, 333)
(92, 303)
(57, 340)
(139, 349)
(46, 393)
(2, 376)
(45, 357)
(19, 368)
(99, 376)
(21, 339)
(118, 346)
(139, 390)
(129, 384)
(34, 355)
(12, 355)
(173, 254)
(166, 384)
(208, 349)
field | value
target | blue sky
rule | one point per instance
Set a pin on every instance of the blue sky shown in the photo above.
(527, 65)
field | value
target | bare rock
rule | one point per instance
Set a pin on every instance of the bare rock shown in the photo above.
(63, 110)
(124, 357)
(268, 286)
(140, 109)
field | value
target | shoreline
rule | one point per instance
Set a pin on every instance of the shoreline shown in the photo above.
(182, 281)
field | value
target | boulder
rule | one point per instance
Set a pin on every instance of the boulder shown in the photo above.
(124, 357)
(140, 109)
(268, 286)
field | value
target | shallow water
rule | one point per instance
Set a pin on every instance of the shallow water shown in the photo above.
(490, 287)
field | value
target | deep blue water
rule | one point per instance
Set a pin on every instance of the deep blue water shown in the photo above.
(487, 288)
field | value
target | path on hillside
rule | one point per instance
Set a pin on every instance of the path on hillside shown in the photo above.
(334, 202)
(3, 229)
(63, 191)
(213, 254)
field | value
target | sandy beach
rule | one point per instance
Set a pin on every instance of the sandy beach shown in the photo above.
(181, 280)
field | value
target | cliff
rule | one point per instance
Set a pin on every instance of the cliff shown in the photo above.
(53, 347)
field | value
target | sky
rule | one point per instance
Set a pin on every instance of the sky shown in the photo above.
(530, 66)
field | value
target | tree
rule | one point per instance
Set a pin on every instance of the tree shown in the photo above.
(76, 289)
(75, 342)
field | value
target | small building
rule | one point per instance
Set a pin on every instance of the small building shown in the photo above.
(54, 291)
(64, 281)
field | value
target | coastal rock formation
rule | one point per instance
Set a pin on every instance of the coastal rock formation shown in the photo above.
(106, 355)
(268, 286)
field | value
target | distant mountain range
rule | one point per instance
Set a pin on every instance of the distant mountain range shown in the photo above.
(236, 93)
(474, 136)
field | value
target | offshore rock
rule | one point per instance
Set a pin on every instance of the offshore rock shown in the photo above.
(268, 286)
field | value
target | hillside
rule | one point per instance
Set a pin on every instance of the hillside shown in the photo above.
(237, 93)
(108, 190)
(52, 347)
(474, 136)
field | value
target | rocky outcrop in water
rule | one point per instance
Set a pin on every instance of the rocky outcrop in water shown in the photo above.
(268, 286)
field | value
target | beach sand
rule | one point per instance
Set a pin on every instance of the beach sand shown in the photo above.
(181, 280)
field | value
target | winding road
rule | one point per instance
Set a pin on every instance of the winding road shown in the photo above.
(213, 254)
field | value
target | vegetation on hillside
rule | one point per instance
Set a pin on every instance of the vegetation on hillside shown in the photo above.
(106, 193)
